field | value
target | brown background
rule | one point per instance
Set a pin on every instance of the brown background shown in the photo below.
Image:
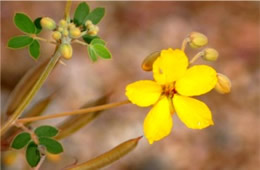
(132, 31)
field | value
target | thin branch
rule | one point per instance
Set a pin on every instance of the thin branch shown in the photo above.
(80, 42)
(77, 112)
(67, 11)
(45, 40)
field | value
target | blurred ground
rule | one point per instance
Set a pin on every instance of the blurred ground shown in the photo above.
(133, 30)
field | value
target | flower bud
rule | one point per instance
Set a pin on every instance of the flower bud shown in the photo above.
(66, 51)
(60, 29)
(147, 64)
(56, 35)
(72, 25)
(75, 32)
(65, 32)
(210, 54)
(92, 32)
(223, 85)
(63, 23)
(97, 28)
(53, 157)
(197, 40)
(48, 23)
(88, 23)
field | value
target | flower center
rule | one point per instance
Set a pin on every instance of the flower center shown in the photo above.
(169, 90)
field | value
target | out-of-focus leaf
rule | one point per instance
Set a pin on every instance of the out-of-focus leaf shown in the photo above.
(46, 131)
(33, 155)
(108, 157)
(21, 140)
(23, 87)
(19, 41)
(24, 23)
(81, 13)
(96, 15)
(38, 25)
(51, 145)
(34, 49)
(73, 123)
(39, 107)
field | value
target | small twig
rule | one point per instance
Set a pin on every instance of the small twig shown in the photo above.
(184, 44)
(196, 57)
(45, 40)
(24, 128)
(67, 11)
(80, 42)
(77, 112)
(40, 163)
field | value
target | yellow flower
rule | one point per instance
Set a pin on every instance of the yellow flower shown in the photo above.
(171, 91)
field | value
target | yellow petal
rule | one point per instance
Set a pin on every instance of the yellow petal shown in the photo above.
(197, 80)
(170, 66)
(143, 93)
(192, 112)
(158, 122)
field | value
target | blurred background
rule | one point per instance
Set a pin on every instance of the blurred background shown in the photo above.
(132, 31)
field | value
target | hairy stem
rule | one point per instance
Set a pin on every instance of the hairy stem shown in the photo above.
(77, 112)
(32, 93)
(196, 57)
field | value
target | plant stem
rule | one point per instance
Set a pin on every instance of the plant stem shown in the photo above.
(45, 40)
(67, 11)
(184, 44)
(196, 57)
(77, 112)
(79, 42)
(32, 93)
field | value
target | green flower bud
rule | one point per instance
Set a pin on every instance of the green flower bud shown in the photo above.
(66, 51)
(210, 54)
(197, 40)
(223, 85)
(75, 32)
(147, 64)
(63, 23)
(56, 35)
(48, 23)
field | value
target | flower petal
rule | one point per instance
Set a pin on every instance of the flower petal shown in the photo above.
(197, 80)
(143, 93)
(158, 122)
(170, 66)
(192, 112)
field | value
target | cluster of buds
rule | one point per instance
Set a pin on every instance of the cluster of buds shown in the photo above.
(64, 29)
(91, 28)
(195, 40)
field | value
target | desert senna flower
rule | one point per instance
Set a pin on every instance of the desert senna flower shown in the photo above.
(172, 91)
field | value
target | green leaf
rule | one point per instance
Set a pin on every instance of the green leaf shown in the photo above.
(96, 15)
(92, 54)
(52, 146)
(20, 41)
(24, 23)
(98, 41)
(38, 25)
(34, 49)
(81, 13)
(33, 155)
(46, 131)
(21, 140)
(89, 38)
(102, 51)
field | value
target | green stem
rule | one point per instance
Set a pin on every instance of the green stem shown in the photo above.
(33, 92)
